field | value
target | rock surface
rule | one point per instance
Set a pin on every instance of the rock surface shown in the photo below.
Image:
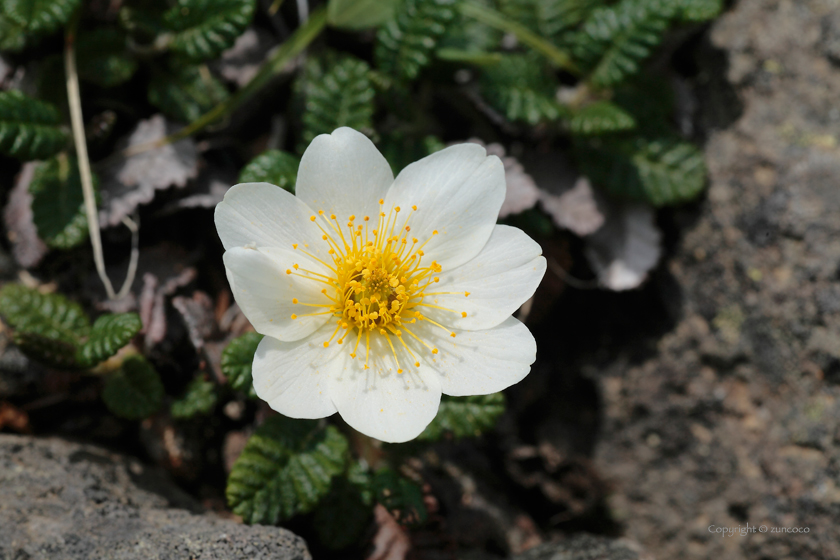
(586, 547)
(70, 501)
(732, 416)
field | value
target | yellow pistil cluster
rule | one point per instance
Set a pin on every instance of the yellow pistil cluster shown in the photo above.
(378, 280)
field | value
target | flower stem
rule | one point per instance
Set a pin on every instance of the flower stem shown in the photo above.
(299, 40)
(496, 20)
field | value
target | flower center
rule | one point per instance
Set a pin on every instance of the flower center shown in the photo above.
(377, 280)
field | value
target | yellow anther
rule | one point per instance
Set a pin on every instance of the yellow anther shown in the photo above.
(294, 316)
(466, 294)
(352, 217)
(452, 334)
(416, 364)
(312, 218)
(396, 208)
(434, 350)
(464, 314)
(288, 271)
(381, 201)
(294, 246)
(399, 371)
(294, 300)
(326, 344)
(435, 232)
(332, 216)
(407, 228)
(320, 212)
(414, 207)
(295, 266)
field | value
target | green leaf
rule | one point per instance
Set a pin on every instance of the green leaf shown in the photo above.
(48, 315)
(342, 517)
(360, 14)
(467, 34)
(185, 92)
(400, 496)
(698, 10)
(522, 88)
(614, 40)
(272, 166)
(29, 129)
(204, 28)
(548, 18)
(465, 416)
(286, 468)
(110, 332)
(237, 358)
(102, 58)
(54, 352)
(405, 44)
(337, 92)
(26, 21)
(601, 117)
(663, 171)
(58, 205)
(134, 391)
(200, 398)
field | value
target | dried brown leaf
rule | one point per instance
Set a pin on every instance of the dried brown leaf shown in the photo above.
(626, 247)
(575, 209)
(129, 182)
(27, 248)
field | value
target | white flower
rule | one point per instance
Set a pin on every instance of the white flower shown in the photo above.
(375, 294)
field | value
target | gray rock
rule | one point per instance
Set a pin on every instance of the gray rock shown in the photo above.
(586, 547)
(62, 500)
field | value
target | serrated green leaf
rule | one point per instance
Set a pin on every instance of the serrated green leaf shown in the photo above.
(204, 28)
(405, 44)
(601, 117)
(272, 166)
(102, 57)
(24, 22)
(58, 205)
(467, 34)
(53, 352)
(286, 468)
(400, 496)
(49, 315)
(185, 92)
(29, 129)
(662, 171)
(360, 14)
(548, 18)
(134, 391)
(522, 89)
(614, 40)
(200, 398)
(341, 518)
(337, 92)
(465, 416)
(237, 358)
(698, 10)
(110, 332)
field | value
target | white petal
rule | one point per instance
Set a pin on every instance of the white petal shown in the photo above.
(343, 173)
(499, 279)
(379, 401)
(264, 291)
(480, 362)
(266, 216)
(458, 192)
(292, 377)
